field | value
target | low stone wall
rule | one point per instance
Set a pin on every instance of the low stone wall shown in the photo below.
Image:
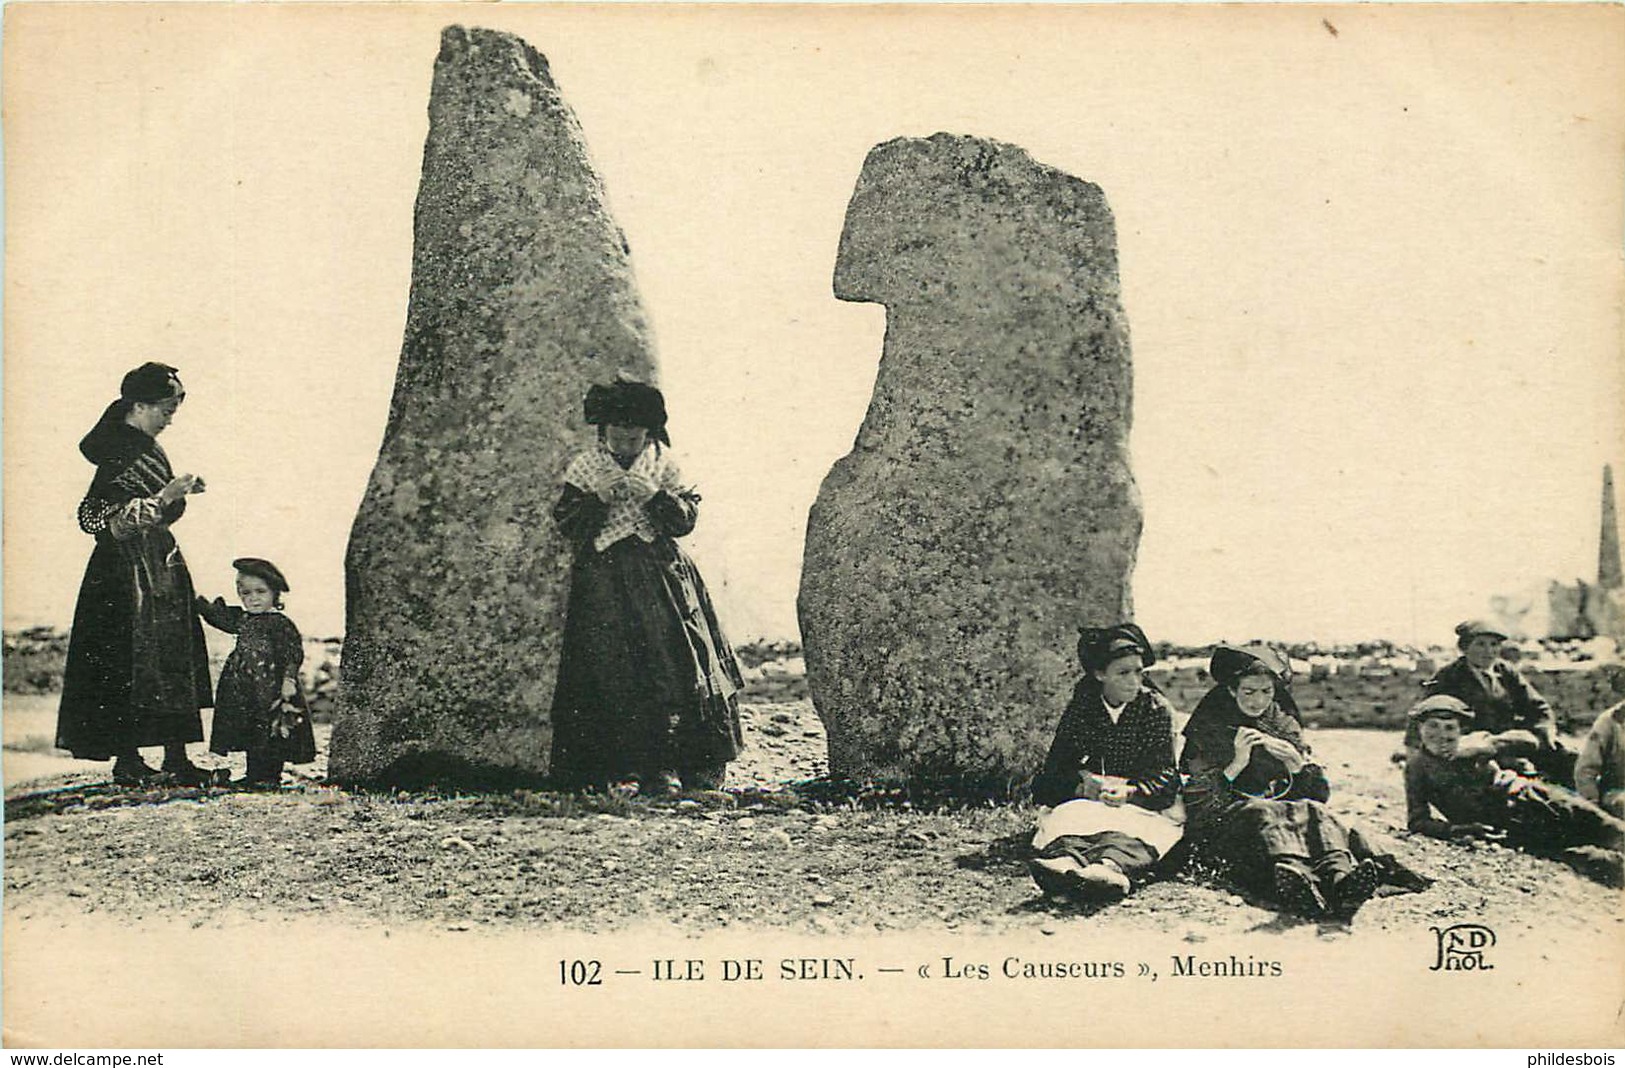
(1334, 689)
(1377, 693)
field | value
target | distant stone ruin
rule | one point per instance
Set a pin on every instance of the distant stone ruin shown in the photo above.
(522, 295)
(987, 509)
(1578, 609)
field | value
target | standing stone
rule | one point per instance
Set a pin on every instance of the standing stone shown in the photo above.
(987, 509)
(1605, 605)
(522, 295)
(1609, 576)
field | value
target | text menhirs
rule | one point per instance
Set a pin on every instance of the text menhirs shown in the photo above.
(1190, 967)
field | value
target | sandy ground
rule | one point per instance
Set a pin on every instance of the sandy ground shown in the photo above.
(107, 870)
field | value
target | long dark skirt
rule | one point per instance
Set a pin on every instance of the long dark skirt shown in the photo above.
(647, 681)
(137, 670)
(1252, 835)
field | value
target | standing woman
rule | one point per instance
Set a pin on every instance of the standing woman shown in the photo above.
(1256, 802)
(137, 671)
(647, 693)
(1110, 774)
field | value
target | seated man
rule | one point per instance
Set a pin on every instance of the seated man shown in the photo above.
(1599, 774)
(1457, 775)
(1503, 703)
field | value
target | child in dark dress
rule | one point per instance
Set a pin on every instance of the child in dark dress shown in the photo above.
(260, 705)
(647, 694)
(1458, 776)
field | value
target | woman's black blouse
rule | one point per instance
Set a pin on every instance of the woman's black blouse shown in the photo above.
(1138, 747)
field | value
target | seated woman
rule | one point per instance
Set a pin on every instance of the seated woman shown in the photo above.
(1255, 801)
(1503, 703)
(1458, 777)
(1110, 772)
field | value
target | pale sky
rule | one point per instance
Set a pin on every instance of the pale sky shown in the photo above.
(1373, 278)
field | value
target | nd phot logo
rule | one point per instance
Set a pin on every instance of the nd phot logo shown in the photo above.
(1462, 948)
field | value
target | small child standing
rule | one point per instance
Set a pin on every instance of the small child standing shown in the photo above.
(259, 704)
(1458, 777)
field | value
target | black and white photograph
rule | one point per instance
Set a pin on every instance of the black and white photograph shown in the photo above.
(813, 525)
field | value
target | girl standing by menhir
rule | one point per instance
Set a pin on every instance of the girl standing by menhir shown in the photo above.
(647, 693)
(260, 704)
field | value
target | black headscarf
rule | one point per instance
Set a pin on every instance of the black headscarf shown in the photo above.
(1099, 646)
(1230, 662)
(1217, 713)
(151, 383)
(626, 402)
(112, 438)
(1212, 727)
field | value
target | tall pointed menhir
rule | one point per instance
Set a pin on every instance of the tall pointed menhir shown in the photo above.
(1608, 566)
(987, 509)
(522, 294)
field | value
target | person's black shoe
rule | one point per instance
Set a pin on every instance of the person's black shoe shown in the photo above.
(136, 772)
(1355, 888)
(188, 774)
(1397, 874)
(1296, 889)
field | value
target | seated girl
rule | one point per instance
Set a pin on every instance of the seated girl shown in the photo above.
(1459, 777)
(1256, 802)
(1110, 772)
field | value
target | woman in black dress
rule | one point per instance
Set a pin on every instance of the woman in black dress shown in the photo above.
(137, 672)
(647, 692)
(1110, 773)
(1254, 799)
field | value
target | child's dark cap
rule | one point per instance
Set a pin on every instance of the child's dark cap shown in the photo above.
(264, 569)
(1439, 706)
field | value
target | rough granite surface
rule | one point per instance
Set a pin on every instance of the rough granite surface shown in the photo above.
(522, 295)
(987, 509)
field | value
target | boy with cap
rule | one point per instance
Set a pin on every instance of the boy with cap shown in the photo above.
(1458, 776)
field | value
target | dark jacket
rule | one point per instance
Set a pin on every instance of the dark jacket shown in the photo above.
(1518, 705)
(1461, 790)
